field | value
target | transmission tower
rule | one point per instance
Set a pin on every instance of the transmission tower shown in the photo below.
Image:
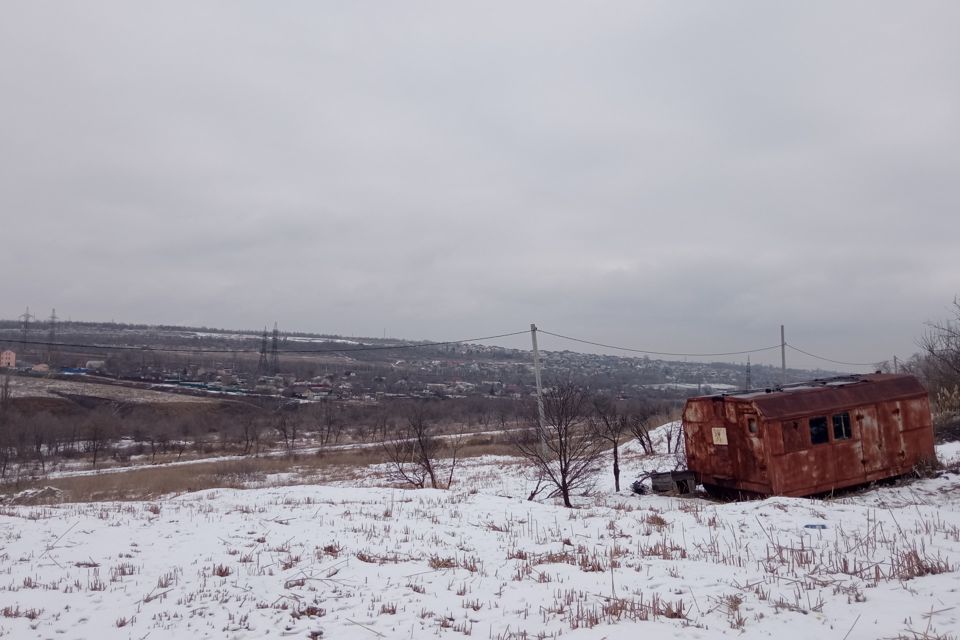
(274, 351)
(26, 317)
(262, 364)
(749, 384)
(52, 354)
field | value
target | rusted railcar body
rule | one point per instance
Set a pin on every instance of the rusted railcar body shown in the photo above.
(809, 438)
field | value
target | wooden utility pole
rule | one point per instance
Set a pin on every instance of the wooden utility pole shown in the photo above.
(536, 375)
(783, 356)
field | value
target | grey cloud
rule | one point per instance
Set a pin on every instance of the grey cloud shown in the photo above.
(677, 177)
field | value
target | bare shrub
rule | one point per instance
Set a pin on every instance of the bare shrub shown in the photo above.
(565, 451)
(639, 422)
(414, 450)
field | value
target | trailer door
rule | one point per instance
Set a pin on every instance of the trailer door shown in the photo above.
(753, 457)
(722, 441)
(871, 439)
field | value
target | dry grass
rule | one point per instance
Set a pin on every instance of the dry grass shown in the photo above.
(154, 481)
(487, 445)
(151, 482)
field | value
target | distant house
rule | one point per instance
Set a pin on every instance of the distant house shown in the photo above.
(436, 387)
(228, 379)
(95, 365)
(319, 392)
(8, 360)
(40, 368)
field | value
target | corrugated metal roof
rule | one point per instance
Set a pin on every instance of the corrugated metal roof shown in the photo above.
(825, 395)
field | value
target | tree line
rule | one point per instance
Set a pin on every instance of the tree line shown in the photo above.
(937, 365)
(566, 448)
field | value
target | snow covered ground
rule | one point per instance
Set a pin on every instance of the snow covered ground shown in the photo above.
(374, 561)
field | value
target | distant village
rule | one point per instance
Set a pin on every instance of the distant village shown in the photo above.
(447, 371)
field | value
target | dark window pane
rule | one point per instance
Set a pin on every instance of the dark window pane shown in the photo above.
(818, 430)
(841, 426)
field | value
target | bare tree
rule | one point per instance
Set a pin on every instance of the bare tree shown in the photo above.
(412, 448)
(251, 428)
(414, 451)
(6, 453)
(286, 425)
(159, 440)
(674, 434)
(639, 422)
(44, 433)
(941, 346)
(5, 395)
(564, 450)
(452, 446)
(330, 423)
(183, 441)
(99, 429)
(939, 369)
(6, 441)
(610, 425)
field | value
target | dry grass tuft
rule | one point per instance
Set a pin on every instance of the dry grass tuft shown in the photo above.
(436, 562)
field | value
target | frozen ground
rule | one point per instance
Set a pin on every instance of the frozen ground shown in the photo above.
(30, 387)
(479, 560)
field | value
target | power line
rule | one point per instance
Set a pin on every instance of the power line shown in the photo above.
(360, 349)
(657, 353)
(116, 347)
(812, 355)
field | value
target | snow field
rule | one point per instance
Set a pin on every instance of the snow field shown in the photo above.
(481, 561)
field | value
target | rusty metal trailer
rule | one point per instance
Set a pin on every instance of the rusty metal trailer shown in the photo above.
(809, 438)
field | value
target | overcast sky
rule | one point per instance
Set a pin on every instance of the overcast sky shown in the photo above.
(674, 176)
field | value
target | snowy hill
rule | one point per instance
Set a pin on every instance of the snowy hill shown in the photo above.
(479, 560)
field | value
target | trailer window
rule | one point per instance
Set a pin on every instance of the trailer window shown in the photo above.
(752, 425)
(841, 426)
(818, 430)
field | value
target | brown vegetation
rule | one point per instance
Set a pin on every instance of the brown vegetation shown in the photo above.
(154, 481)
